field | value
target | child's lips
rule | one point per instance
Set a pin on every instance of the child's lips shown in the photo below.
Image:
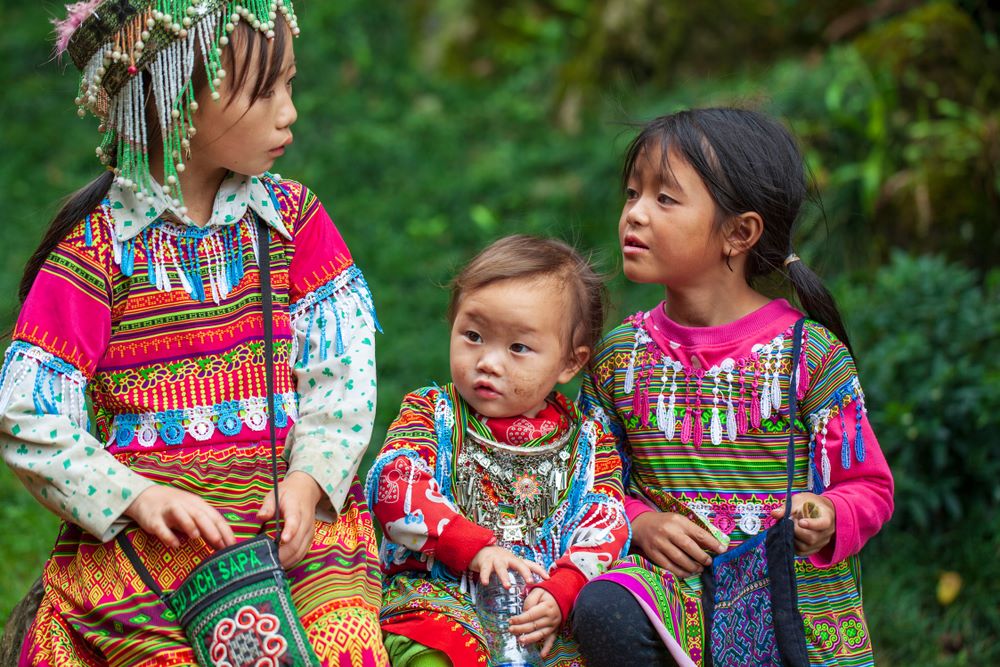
(632, 245)
(485, 390)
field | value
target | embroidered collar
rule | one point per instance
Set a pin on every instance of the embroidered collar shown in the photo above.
(522, 430)
(236, 194)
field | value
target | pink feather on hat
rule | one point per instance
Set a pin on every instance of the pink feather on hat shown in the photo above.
(77, 13)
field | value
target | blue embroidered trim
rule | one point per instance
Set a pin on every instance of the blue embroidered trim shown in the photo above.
(847, 393)
(349, 284)
(172, 426)
(67, 398)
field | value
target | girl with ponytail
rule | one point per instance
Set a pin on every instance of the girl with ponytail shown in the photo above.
(695, 391)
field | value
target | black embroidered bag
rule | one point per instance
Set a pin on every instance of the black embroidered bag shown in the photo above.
(749, 597)
(236, 606)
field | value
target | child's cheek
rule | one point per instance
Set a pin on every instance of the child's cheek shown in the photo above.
(524, 384)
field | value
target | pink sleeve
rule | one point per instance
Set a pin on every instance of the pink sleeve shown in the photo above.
(635, 507)
(321, 256)
(861, 494)
(72, 287)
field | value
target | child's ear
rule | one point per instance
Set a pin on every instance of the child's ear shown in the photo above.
(741, 233)
(578, 357)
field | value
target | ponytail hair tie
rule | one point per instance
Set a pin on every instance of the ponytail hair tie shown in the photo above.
(792, 257)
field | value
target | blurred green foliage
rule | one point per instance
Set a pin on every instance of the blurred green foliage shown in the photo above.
(928, 331)
(429, 128)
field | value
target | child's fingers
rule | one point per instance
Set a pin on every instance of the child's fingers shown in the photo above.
(680, 563)
(266, 510)
(522, 568)
(547, 646)
(159, 528)
(486, 570)
(537, 569)
(181, 519)
(693, 549)
(292, 520)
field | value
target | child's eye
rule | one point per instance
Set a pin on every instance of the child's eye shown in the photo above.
(666, 199)
(519, 348)
(473, 336)
(630, 193)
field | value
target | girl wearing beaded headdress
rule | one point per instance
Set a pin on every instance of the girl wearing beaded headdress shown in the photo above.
(496, 470)
(145, 297)
(695, 391)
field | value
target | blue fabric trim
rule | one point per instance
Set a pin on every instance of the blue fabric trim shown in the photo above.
(325, 298)
(46, 398)
(172, 425)
(848, 392)
(187, 242)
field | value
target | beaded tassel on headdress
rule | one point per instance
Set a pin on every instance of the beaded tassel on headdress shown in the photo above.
(124, 47)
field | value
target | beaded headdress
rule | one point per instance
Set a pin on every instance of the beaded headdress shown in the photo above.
(113, 41)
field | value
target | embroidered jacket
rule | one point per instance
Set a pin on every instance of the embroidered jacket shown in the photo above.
(700, 413)
(411, 489)
(159, 323)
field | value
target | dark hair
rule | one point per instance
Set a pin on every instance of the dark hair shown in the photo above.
(83, 201)
(748, 162)
(530, 257)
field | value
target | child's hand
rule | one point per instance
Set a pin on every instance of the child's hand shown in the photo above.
(165, 512)
(539, 621)
(298, 494)
(815, 522)
(500, 560)
(674, 542)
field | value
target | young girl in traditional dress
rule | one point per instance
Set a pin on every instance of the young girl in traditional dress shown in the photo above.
(495, 470)
(145, 295)
(694, 390)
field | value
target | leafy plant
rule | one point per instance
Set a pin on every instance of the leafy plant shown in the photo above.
(927, 331)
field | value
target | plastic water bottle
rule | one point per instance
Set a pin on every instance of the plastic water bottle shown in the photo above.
(495, 606)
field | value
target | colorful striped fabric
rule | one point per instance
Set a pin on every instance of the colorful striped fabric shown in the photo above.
(164, 331)
(97, 611)
(706, 421)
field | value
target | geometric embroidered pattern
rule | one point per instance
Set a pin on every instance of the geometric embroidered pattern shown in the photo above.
(743, 626)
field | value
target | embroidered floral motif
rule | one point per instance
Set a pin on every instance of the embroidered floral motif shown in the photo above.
(201, 422)
(824, 633)
(526, 487)
(854, 633)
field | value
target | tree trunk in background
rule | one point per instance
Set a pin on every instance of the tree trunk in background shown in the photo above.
(18, 623)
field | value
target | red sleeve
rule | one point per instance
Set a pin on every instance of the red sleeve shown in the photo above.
(408, 502)
(601, 536)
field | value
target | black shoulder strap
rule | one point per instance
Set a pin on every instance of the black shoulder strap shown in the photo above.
(264, 262)
(792, 409)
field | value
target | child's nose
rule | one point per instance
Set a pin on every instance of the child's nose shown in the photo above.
(638, 214)
(488, 362)
(288, 114)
